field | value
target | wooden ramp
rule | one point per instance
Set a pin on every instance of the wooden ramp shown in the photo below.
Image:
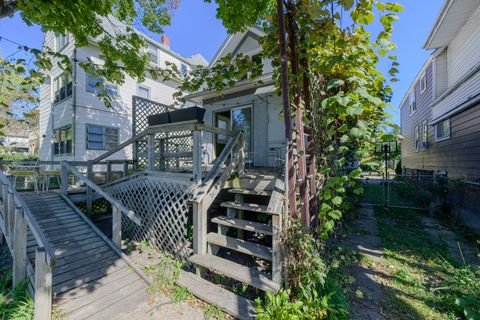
(91, 280)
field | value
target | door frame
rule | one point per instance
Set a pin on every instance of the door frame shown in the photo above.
(252, 128)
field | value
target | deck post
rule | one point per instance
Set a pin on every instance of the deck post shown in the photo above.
(43, 286)
(109, 171)
(116, 226)
(64, 180)
(199, 231)
(161, 155)
(241, 154)
(10, 214)
(151, 152)
(125, 168)
(20, 251)
(197, 155)
(89, 199)
(5, 209)
(276, 248)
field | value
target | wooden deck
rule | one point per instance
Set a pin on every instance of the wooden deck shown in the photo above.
(91, 280)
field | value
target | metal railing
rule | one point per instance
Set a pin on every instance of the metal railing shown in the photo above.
(15, 220)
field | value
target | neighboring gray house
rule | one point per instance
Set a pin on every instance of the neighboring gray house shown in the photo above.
(74, 124)
(440, 114)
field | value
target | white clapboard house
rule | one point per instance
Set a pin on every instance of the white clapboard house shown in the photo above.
(74, 124)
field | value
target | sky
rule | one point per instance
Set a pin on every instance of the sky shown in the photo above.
(195, 29)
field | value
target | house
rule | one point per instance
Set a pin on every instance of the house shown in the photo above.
(74, 124)
(440, 114)
(249, 106)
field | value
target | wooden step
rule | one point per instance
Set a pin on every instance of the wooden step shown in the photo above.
(247, 247)
(250, 192)
(235, 305)
(236, 271)
(243, 224)
(254, 207)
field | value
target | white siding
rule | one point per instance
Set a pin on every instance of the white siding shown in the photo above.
(89, 109)
(463, 52)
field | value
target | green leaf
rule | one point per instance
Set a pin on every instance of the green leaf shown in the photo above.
(337, 200)
(335, 83)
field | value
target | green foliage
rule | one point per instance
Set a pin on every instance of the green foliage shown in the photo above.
(213, 313)
(278, 306)
(17, 157)
(314, 290)
(123, 50)
(15, 303)
(166, 274)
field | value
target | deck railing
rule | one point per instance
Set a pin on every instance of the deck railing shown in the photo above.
(16, 217)
(117, 207)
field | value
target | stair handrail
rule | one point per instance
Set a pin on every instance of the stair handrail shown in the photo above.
(91, 184)
(211, 187)
(30, 219)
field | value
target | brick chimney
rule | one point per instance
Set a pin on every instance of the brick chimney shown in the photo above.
(165, 41)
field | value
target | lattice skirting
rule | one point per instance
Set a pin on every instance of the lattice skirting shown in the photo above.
(163, 205)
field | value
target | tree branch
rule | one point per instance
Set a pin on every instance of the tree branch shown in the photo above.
(8, 8)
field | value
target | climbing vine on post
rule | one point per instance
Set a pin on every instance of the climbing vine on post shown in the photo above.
(337, 94)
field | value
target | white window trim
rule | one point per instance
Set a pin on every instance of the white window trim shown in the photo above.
(411, 102)
(145, 87)
(67, 39)
(424, 127)
(103, 135)
(437, 139)
(416, 137)
(422, 79)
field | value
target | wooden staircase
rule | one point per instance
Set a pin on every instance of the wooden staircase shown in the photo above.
(230, 254)
(91, 280)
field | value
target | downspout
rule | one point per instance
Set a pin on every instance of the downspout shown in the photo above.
(74, 102)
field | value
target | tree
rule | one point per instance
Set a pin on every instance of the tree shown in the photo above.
(336, 93)
(87, 20)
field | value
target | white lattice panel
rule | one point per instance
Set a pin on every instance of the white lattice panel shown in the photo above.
(162, 204)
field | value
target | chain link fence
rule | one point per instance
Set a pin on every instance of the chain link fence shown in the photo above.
(400, 191)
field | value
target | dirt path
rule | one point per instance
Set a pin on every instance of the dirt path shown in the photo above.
(367, 288)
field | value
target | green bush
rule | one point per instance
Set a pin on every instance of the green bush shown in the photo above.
(314, 291)
(398, 167)
(17, 157)
(15, 303)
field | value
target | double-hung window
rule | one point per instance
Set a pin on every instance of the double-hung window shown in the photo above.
(423, 83)
(153, 53)
(95, 85)
(425, 131)
(62, 140)
(101, 138)
(62, 87)
(417, 138)
(412, 104)
(60, 41)
(442, 130)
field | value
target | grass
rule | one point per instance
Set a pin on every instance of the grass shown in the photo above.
(423, 280)
(401, 193)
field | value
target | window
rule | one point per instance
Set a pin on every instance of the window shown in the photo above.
(417, 138)
(425, 131)
(183, 68)
(443, 130)
(62, 140)
(62, 87)
(94, 85)
(423, 83)
(60, 41)
(153, 53)
(412, 104)
(143, 92)
(101, 138)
